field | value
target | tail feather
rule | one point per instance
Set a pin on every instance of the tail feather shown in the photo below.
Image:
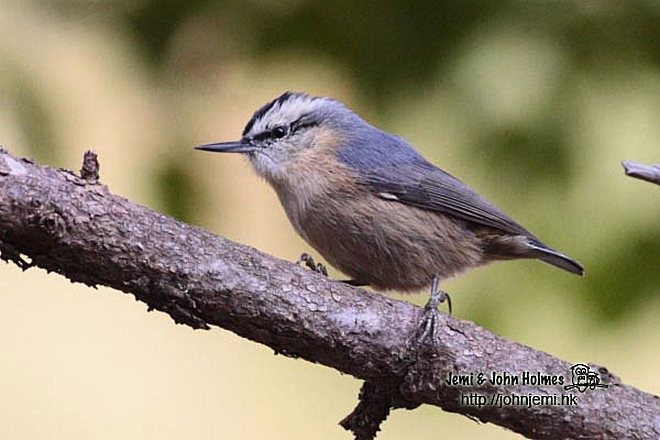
(557, 259)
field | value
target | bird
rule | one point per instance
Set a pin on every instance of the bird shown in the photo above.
(372, 205)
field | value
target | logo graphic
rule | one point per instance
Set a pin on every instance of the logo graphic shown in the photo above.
(583, 378)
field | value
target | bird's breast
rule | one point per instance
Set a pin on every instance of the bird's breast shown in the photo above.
(380, 242)
(309, 186)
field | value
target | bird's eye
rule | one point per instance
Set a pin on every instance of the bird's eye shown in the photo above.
(279, 132)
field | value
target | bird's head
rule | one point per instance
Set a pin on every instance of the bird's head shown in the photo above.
(284, 128)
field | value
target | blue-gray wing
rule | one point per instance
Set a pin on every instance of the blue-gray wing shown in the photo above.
(425, 186)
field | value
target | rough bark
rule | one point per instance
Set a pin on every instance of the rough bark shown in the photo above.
(74, 226)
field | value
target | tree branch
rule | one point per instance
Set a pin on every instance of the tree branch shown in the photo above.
(650, 173)
(74, 226)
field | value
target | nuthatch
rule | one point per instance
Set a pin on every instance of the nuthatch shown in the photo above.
(371, 204)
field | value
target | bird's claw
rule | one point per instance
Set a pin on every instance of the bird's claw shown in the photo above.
(432, 314)
(309, 262)
(429, 326)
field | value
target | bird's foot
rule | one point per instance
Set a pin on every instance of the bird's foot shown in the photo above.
(429, 323)
(308, 261)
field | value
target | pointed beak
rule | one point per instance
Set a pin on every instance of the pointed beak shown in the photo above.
(227, 147)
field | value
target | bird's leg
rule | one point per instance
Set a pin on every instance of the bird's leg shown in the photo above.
(431, 312)
(308, 261)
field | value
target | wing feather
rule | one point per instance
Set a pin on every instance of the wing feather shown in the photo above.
(425, 186)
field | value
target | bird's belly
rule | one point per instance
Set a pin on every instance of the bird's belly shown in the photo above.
(386, 244)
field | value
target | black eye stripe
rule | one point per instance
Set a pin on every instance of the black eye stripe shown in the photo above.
(262, 136)
(305, 125)
(270, 134)
(302, 122)
(280, 131)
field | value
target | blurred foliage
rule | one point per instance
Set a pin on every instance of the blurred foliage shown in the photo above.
(155, 22)
(625, 279)
(544, 157)
(175, 191)
(388, 48)
(32, 115)
(396, 43)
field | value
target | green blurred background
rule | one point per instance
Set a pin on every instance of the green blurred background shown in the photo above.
(533, 103)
